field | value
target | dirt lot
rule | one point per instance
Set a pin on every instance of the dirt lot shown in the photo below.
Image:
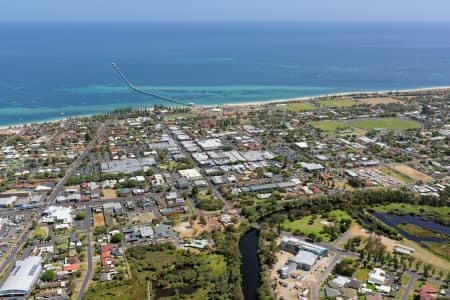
(187, 230)
(109, 194)
(143, 218)
(99, 219)
(381, 100)
(412, 173)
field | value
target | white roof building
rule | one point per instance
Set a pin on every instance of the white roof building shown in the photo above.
(377, 277)
(311, 166)
(146, 231)
(304, 259)
(158, 180)
(302, 145)
(190, 174)
(57, 213)
(210, 144)
(22, 277)
(7, 201)
(403, 249)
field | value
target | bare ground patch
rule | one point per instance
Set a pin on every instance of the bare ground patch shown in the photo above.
(143, 218)
(99, 219)
(411, 173)
(381, 100)
(109, 194)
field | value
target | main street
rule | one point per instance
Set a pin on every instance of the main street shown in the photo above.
(76, 164)
(88, 274)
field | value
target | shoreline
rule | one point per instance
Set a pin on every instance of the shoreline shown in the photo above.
(259, 103)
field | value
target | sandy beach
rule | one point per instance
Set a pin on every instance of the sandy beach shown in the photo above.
(274, 101)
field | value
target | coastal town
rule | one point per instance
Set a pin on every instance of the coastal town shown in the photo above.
(330, 197)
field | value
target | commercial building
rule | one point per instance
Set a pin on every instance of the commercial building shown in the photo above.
(269, 187)
(311, 167)
(146, 232)
(190, 174)
(210, 144)
(7, 201)
(22, 277)
(57, 214)
(128, 166)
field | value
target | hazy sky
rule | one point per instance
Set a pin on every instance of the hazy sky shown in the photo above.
(225, 10)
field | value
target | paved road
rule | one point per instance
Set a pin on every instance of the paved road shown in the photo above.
(76, 164)
(323, 275)
(12, 255)
(88, 275)
(213, 188)
(412, 279)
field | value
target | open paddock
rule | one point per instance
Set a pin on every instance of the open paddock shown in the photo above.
(412, 173)
(338, 103)
(295, 107)
(385, 123)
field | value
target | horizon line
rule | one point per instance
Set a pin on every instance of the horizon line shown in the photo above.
(229, 21)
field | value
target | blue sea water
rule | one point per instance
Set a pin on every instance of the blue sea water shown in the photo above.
(50, 70)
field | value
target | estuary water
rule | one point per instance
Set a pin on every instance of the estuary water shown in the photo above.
(54, 70)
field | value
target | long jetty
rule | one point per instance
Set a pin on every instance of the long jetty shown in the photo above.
(138, 90)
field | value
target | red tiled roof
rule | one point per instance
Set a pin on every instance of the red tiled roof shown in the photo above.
(105, 248)
(71, 267)
(428, 289)
(106, 254)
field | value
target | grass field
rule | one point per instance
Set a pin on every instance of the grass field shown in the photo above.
(296, 107)
(338, 103)
(395, 174)
(361, 274)
(386, 123)
(40, 232)
(313, 225)
(329, 125)
(441, 249)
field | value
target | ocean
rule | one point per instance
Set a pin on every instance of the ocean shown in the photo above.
(54, 70)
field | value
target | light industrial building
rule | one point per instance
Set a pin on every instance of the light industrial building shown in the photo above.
(305, 260)
(306, 254)
(22, 277)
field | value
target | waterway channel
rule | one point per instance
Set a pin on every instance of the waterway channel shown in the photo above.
(250, 267)
(394, 220)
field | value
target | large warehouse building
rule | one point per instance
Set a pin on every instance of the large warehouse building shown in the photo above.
(22, 277)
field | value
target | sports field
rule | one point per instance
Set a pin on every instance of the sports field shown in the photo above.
(329, 125)
(296, 107)
(338, 103)
(386, 123)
